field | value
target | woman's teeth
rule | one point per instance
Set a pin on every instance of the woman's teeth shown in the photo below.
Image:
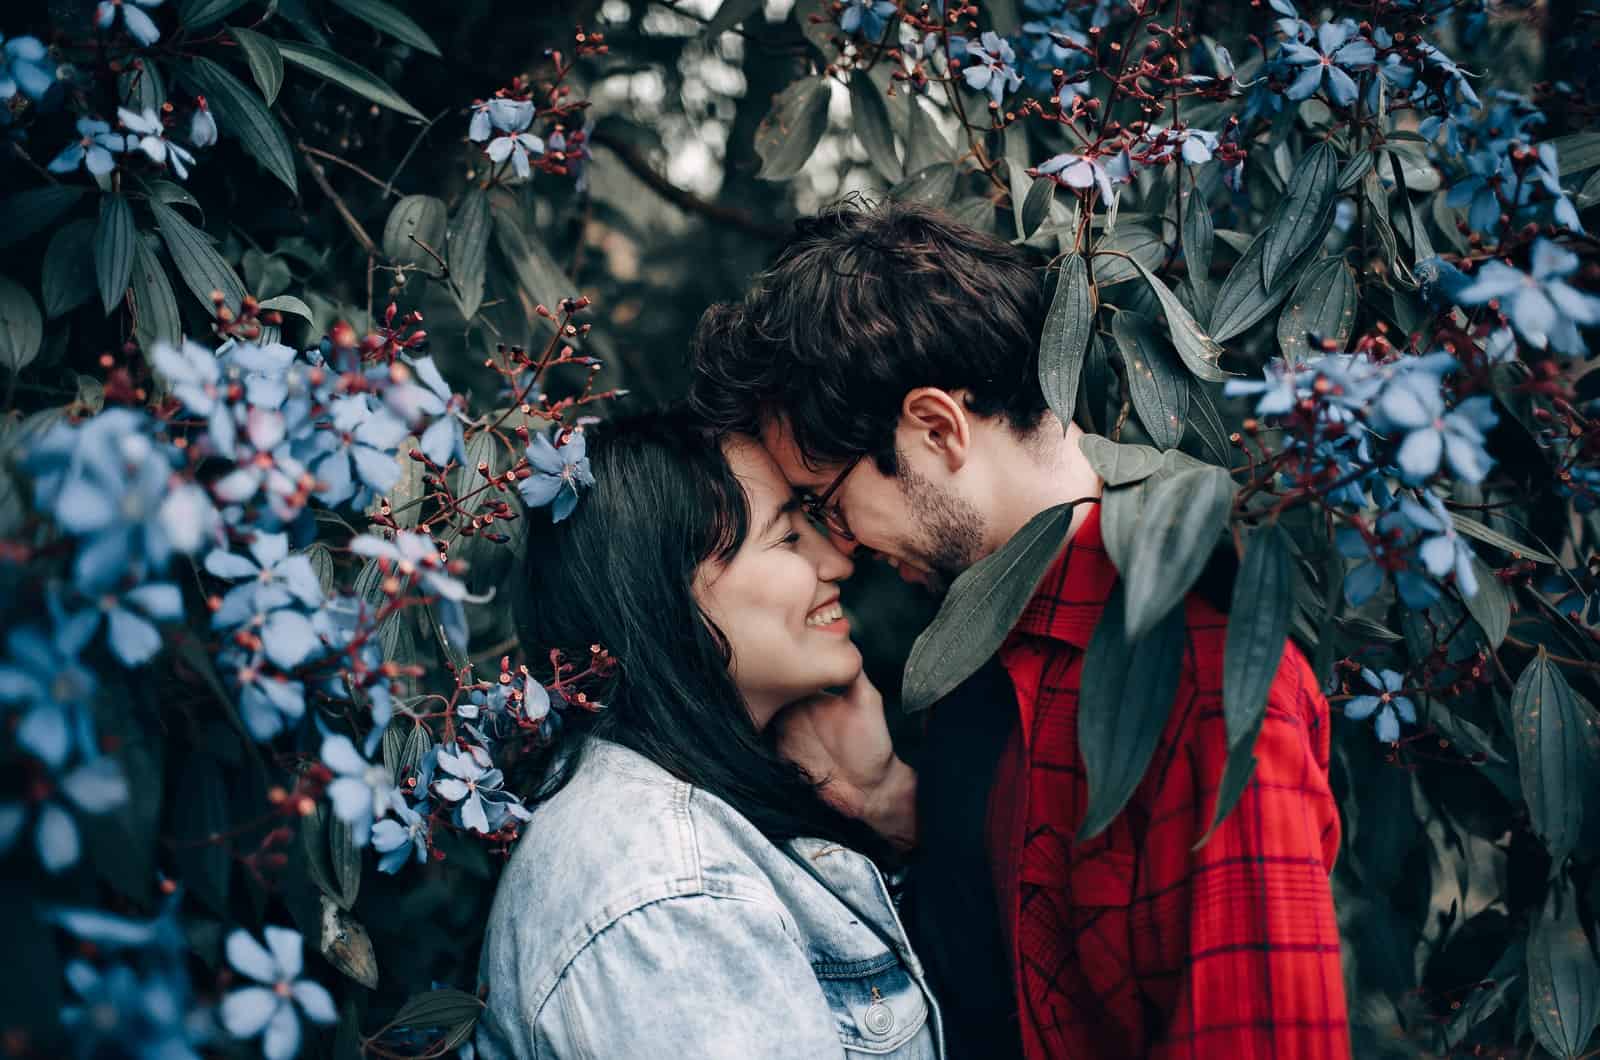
(824, 615)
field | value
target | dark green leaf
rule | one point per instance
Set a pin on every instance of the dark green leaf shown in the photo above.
(1577, 152)
(200, 822)
(1065, 338)
(1258, 627)
(114, 242)
(541, 279)
(1036, 207)
(1243, 299)
(1323, 304)
(1118, 463)
(1156, 382)
(397, 632)
(288, 303)
(925, 144)
(1302, 215)
(195, 14)
(405, 744)
(1385, 824)
(1199, 352)
(266, 61)
(21, 326)
(933, 185)
(387, 19)
(730, 14)
(27, 212)
(790, 132)
(1351, 172)
(980, 609)
(202, 268)
(1555, 750)
(1199, 237)
(469, 250)
(1490, 606)
(1470, 527)
(155, 308)
(346, 74)
(140, 84)
(1178, 528)
(344, 859)
(1563, 978)
(1127, 689)
(438, 1008)
(415, 219)
(241, 113)
(1206, 423)
(314, 846)
(68, 280)
(1236, 773)
(169, 193)
(871, 124)
(1141, 247)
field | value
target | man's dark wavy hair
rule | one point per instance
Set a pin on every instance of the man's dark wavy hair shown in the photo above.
(864, 304)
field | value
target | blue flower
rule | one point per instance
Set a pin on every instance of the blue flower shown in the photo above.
(1277, 388)
(1439, 281)
(1388, 553)
(202, 126)
(414, 556)
(400, 841)
(518, 147)
(1338, 52)
(1390, 706)
(147, 134)
(1056, 43)
(869, 17)
(270, 1007)
(359, 788)
(93, 149)
(44, 674)
(443, 440)
(361, 447)
(276, 579)
(131, 619)
(558, 474)
(1443, 551)
(120, 1011)
(1479, 190)
(1077, 171)
(25, 64)
(472, 785)
(268, 703)
(138, 24)
(1413, 403)
(194, 375)
(1542, 306)
(95, 787)
(988, 67)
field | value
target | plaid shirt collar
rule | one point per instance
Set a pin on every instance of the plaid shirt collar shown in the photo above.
(1068, 601)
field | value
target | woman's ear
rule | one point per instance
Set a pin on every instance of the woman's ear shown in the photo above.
(936, 421)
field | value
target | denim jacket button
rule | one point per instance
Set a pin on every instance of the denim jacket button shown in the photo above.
(879, 1019)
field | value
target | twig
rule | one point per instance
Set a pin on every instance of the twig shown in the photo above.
(345, 162)
(321, 177)
(388, 189)
(687, 200)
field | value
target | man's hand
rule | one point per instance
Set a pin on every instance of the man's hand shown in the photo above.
(843, 741)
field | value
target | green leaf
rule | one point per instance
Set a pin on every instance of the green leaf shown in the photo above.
(1490, 606)
(344, 858)
(789, 134)
(387, 19)
(202, 268)
(410, 744)
(1177, 530)
(241, 113)
(1576, 152)
(1065, 338)
(1126, 696)
(1244, 299)
(155, 308)
(288, 303)
(933, 185)
(1199, 235)
(541, 279)
(1206, 423)
(68, 279)
(397, 635)
(200, 812)
(730, 14)
(439, 1008)
(1556, 741)
(347, 75)
(1303, 214)
(871, 125)
(1119, 463)
(1036, 206)
(1236, 773)
(1563, 977)
(169, 193)
(266, 61)
(114, 242)
(980, 609)
(1470, 527)
(194, 14)
(1351, 173)
(21, 326)
(1258, 626)
(415, 218)
(27, 212)
(1199, 351)
(1141, 246)
(925, 144)
(469, 250)
(1323, 304)
(1159, 389)
(314, 844)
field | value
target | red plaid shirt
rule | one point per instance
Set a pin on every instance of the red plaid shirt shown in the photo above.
(1132, 944)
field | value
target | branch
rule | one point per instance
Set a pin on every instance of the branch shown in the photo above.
(686, 200)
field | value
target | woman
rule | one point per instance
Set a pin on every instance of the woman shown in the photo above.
(683, 889)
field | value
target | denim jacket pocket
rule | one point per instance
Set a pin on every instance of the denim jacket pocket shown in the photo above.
(877, 1007)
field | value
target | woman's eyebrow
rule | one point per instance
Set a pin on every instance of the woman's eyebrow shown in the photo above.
(788, 507)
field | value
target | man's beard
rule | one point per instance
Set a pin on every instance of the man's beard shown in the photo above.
(951, 528)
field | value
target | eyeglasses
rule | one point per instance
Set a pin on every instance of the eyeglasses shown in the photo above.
(818, 508)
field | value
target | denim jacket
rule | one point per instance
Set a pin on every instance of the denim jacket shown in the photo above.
(640, 916)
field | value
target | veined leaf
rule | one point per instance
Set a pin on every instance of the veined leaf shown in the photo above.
(21, 326)
(1159, 389)
(1199, 351)
(1206, 423)
(1244, 299)
(1127, 689)
(68, 280)
(469, 250)
(1258, 627)
(1036, 206)
(980, 609)
(114, 241)
(202, 268)
(1302, 216)
(1556, 750)
(1236, 773)
(1141, 246)
(1199, 235)
(196, 14)
(539, 277)
(347, 75)
(1563, 978)
(933, 185)
(1472, 528)
(241, 113)
(1576, 152)
(438, 1008)
(791, 131)
(155, 308)
(27, 212)
(1490, 606)
(288, 303)
(266, 61)
(870, 116)
(1177, 530)
(1323, 304)
(386, 18)
(1065, 339)
(420, 218)
(1119, 463)
(925, 144)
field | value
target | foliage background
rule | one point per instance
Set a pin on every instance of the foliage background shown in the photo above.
(1448, 868)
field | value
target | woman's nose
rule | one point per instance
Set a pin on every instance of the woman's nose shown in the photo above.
(830, 553)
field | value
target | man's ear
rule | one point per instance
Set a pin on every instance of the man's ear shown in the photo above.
(937, 422)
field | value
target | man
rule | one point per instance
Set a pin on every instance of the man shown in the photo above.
(888, 360)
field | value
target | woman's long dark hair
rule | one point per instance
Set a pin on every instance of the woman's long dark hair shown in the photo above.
(618, 572)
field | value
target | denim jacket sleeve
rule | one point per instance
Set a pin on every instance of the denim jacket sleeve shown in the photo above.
(749, 986)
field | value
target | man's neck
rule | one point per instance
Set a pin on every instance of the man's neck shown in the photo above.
(1048, 469)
